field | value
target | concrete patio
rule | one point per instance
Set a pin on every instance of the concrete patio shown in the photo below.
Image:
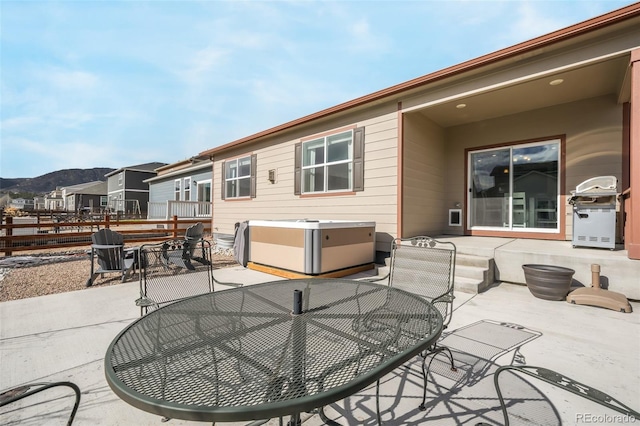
(65, 337)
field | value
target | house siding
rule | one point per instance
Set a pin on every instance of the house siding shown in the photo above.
(277, 200)
(424, 167)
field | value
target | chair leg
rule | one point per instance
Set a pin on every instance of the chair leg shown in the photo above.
(425, 369)
(378, 403)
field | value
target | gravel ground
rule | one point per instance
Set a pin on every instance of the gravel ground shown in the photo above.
(48, 272)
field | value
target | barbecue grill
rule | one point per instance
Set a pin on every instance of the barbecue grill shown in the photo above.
(594, 212)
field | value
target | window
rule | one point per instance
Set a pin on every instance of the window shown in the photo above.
(187, 189)
(515, 187)
(103, 201)
(332, 163)
(176, 189)
(239, 177)
(120, 178)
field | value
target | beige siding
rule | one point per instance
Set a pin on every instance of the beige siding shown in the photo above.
(423, 211)
(593, 129)
(276, 201)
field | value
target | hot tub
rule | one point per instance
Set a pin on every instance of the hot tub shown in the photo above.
(311, 247)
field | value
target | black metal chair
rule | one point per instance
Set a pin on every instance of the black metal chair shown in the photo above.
(25, 391)
(514, 398)
(168, 273)
(192, 237)
(425, 266)
(108, 249)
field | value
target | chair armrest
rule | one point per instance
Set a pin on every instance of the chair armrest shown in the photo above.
(106, 246)
(565, 383)
(146, 302)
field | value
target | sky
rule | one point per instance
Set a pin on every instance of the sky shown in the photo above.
(90, 83)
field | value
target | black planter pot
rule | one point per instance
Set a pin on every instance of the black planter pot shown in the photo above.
(547, 281)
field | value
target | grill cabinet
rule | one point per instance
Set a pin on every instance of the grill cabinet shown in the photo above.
(594, 213)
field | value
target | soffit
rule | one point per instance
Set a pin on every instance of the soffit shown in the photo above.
(602, 78)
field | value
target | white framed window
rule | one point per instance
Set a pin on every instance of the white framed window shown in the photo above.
(104, 200)
(120, 178)
(332, 163)
(327, 163)
(177, 189)
(237, 177)
(187, 189)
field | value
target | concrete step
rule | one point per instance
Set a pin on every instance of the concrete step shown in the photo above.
(474, 274)
(473, 260)
(469, 285)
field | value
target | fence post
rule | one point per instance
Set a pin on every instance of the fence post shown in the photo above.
(107, 219)
(9, 221)
(175, 226)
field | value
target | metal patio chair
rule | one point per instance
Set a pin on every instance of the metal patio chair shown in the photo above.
(425, 266)
(519, 399)
(168, 273)
(108, 250)
(20, 392)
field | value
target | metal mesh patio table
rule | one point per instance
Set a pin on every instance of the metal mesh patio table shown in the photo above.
(243, 354)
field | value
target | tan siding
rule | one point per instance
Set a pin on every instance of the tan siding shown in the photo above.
(277, 201)
(423, 209)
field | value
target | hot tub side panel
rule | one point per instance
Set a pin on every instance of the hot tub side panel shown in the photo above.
(344, 248)
(279, 247)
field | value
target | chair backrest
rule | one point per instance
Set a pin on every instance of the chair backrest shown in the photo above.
(109, 258)
(169, 272)
(194, 232)
(520, 399)
(425, 266)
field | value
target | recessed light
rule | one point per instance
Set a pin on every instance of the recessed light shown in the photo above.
(460, 106)
(556, 82)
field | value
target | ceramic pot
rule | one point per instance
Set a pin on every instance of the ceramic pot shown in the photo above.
(547, 281)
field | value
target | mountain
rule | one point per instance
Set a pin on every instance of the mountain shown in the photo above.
(50, 181)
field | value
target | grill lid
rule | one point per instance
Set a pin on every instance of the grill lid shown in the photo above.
(597, 185)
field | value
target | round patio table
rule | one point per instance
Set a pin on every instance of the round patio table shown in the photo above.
(243, 354)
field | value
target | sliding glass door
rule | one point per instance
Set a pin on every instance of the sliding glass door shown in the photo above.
(515, 188)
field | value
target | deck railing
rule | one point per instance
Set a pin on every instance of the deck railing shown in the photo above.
(51, 234)
(182, 209)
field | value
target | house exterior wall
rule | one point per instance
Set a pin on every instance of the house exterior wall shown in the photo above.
(277, 200)
(593, 130)
(133, 180)
(163, 189)
(424, 167)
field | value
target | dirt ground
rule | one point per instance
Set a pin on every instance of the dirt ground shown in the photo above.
(68, 273)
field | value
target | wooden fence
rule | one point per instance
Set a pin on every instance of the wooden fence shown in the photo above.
(39, 235)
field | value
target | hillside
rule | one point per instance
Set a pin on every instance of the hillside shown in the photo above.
(50, 181)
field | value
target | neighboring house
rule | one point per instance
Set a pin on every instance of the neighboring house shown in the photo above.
(53, 200)
(181, 189)
(566, 104)
(89, 196)
(22, 204)
(38, 203)
(126, 188)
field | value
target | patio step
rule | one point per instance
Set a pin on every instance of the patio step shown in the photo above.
(474, 274)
